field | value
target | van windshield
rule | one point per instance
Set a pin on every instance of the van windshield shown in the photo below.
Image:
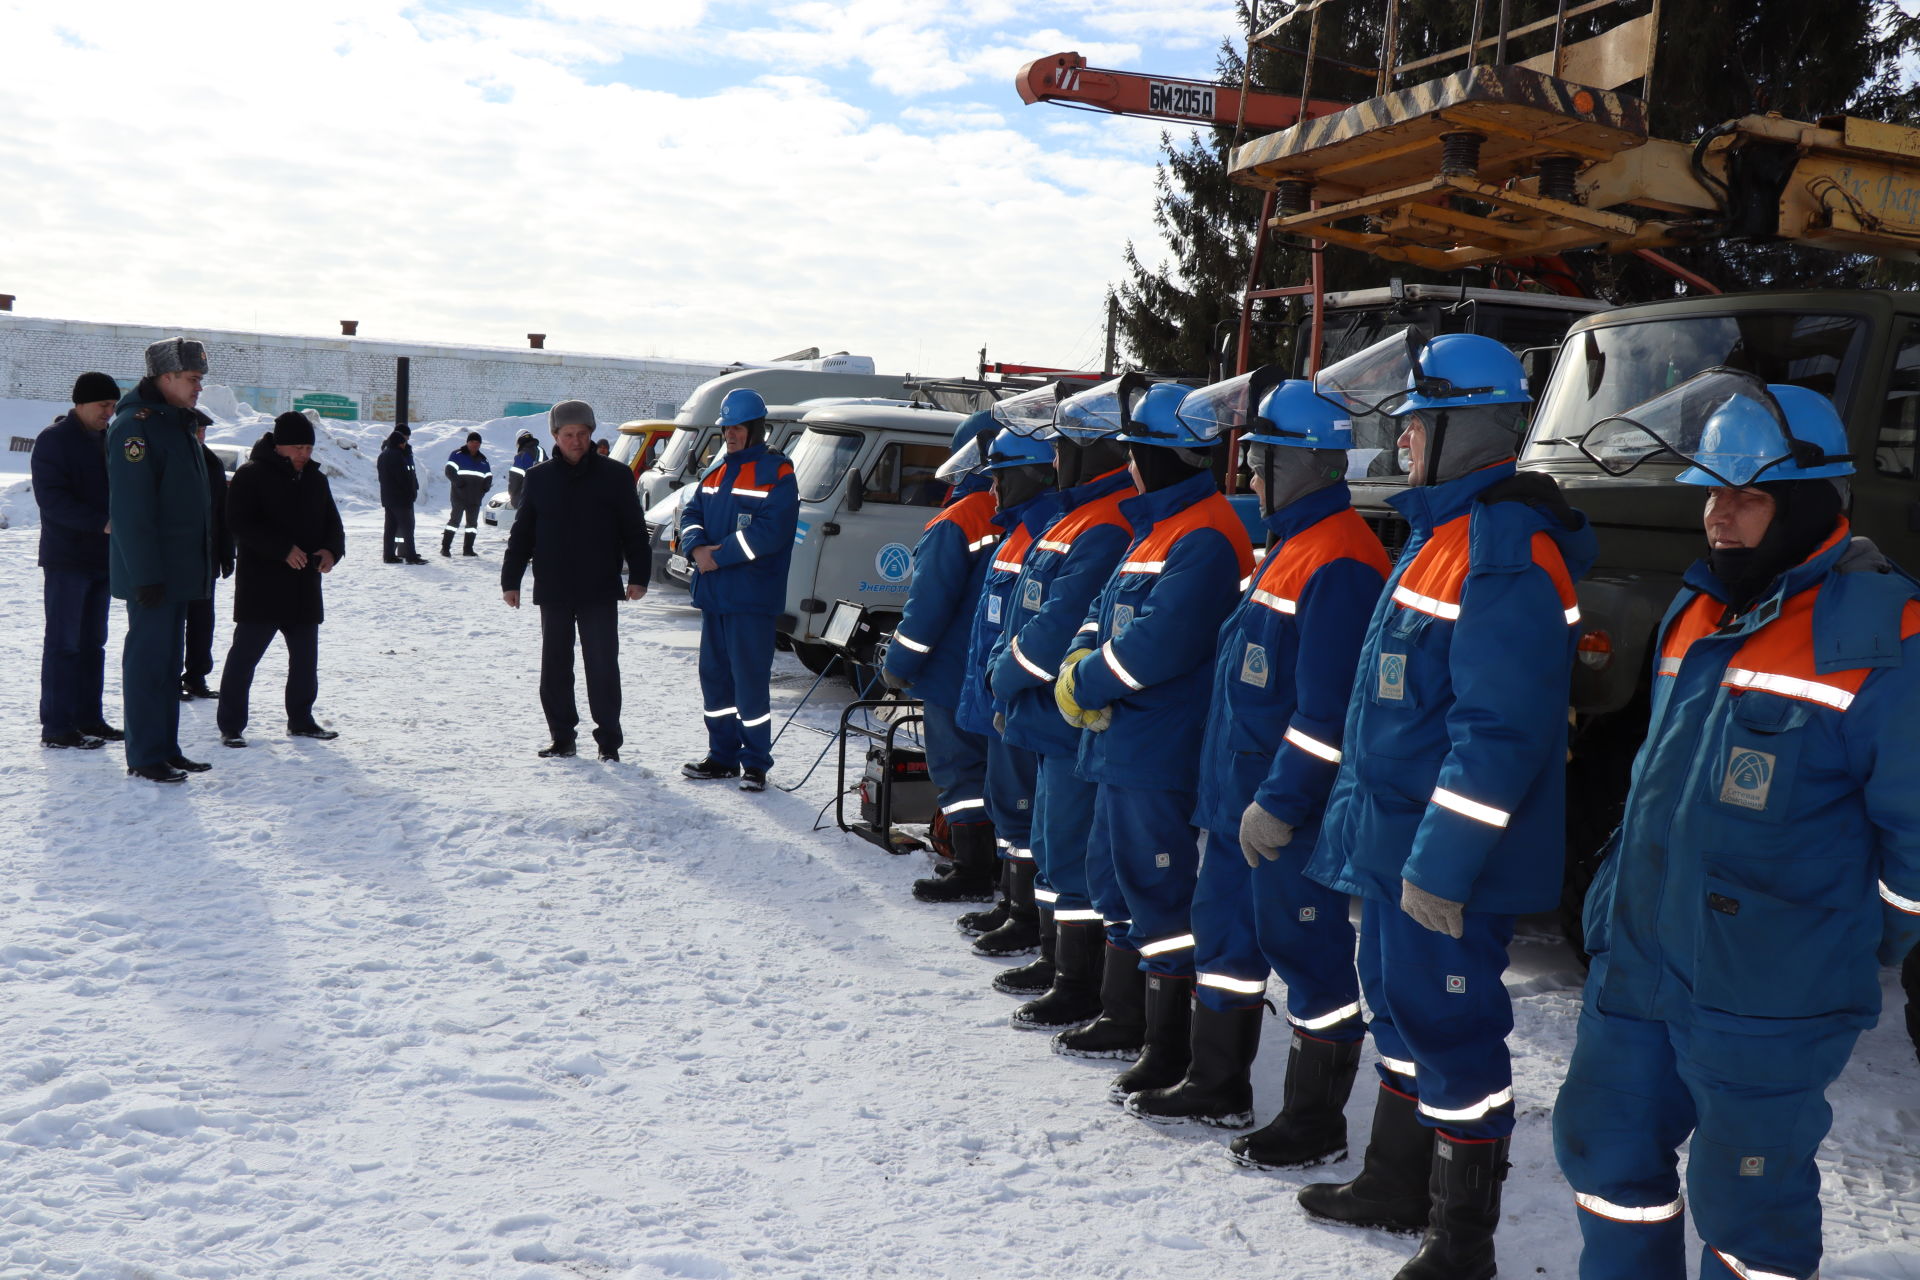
(1609, 369)
(625, 448)
(673, 460)
(820, 458)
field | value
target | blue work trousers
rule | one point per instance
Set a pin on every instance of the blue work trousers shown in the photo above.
(1247, 921)
(150, 681)
(1750, 1091)
(73, 654)
(1062, 819)
(736, 670)
(957, 763)
(1011, 773)
(1441, 1016)
(1142, 858)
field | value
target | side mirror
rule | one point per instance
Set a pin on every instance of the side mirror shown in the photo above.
(1537, 362)
(856, 491)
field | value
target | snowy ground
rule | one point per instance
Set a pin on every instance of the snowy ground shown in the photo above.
(416, 1004)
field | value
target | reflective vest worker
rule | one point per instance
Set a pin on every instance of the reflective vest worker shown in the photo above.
(1059, 578)
(469, 476)
(527, 455)
(1447, 814)
(740, 525)
(1769, 859)
(1272, 746)
(928, 654)
(1137, 675)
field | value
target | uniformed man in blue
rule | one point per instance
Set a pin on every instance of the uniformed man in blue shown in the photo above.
(928, 655)
(159, 547)
(1769, 860)
(1137, 676)
(1020, 470)
(1059, 577)
(1447, 814)
(469, 476)
(1272, 746)
(739, 528)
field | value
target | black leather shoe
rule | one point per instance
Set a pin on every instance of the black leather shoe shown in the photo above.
(415, 560)
(709, 770)
(73, 739)
(389, 559)
(315, 732)
(557, 751)
(232, 740)
(156, 773)
(195, 687)
(610, 754)
(103, 731)
(188, 766)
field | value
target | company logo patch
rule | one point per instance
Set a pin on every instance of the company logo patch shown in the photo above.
(894, 562)
(1749, 778)
(135, 449)
(1753, 1166)
(741, 521)
(993, 610)
(1031, 595)
(1253, 666)
(1393, 676)
(1122, 617)
(1163, 860)
(1456, 984)
(1309, 914)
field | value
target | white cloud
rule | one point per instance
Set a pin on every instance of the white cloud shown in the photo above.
(453, 178)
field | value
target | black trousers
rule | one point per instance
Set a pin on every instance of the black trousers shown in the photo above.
(250, 641)
(398, 542)
(199, 660)
(598, 627)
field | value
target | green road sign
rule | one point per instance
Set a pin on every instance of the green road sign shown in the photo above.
(327, 405)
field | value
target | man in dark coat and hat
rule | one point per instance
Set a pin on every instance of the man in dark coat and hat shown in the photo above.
(399, 486)
(280, 510)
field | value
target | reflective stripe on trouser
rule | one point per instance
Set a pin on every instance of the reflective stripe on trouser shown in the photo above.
(1154, 855)
(1011, 772)
(1750, 1091)
(736, 666)
(1439, 1004)
(1247, 921)
(399, 531)
(957, 763)
(469, 510)
(1062, 815)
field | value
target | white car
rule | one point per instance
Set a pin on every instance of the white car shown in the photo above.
(498, 511)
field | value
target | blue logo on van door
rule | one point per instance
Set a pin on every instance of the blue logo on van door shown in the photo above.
(894, 562)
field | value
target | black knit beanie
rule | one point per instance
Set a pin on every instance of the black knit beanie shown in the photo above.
(292, 428)
(89, 387)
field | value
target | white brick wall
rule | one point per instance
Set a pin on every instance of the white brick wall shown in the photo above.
(39, 359)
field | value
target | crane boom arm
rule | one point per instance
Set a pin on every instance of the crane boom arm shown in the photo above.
(1065, 78)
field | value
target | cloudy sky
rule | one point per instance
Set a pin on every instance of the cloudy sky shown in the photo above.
(714, 179)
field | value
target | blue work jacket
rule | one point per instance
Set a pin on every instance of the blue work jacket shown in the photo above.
(1772, 835)
(1024, 525)
(1153, 628)
(1285, 667)
(1453, 766)
(1059, 578)
(929, 647)
(747, 508)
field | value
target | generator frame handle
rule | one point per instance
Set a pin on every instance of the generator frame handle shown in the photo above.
(880, 831)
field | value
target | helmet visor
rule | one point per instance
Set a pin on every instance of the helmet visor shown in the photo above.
(969, 459)
(1105, 409)
(1723, 422)
(1375, 379)
(1211, 413)
(1031, 413)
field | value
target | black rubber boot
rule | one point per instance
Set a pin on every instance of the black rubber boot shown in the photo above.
(1312, 1125)
(1020, 934)
(1465, 1188)
(1218, 1087)
(1121, 1027)
(1074, 996)
(975, 867)
(466, 546)
(446, 542)
(975, 923)
(1169, 1048)
(1391, 1191)
(1036, 975)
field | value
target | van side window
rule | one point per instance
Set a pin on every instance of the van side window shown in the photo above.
(903, 475)
(1900, 415)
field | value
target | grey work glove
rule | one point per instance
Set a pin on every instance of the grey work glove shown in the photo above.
(893, 681)
(1430, 911)
(1000, 722)
(1262, 835)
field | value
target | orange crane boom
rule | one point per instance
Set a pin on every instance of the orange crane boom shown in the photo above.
(1066, 79)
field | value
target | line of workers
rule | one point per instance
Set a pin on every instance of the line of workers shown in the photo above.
(1170, 765)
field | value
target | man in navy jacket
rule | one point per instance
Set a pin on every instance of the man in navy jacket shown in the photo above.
(70, 484)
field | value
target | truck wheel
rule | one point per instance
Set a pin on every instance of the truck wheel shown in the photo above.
(1598, 777)
(814, 657)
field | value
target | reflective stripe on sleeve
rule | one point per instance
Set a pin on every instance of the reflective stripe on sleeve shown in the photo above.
(1425, 604)
(1313, 746)
(1894, 900)
(1471, 808)
(1160, 946)
(1573, 616)
(1113, 664)
(1239, 986)
(1031, 668)
(1788, 686)
(1668, 667)
(901, 637)
(1399, 1067)
(462, 471)
(1474, 1111)
(1143, 566)
(981, 544)
(1628, 1213)
(961, 806)
(1334, 1019)
(741, 538)
(1746, 1272)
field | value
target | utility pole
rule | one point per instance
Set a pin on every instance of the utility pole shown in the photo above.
(402, 378)
(1113, 329)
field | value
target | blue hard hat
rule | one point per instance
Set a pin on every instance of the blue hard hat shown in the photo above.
(970, 427)
(742, 404)
(1011, 449)
(1456, 370)
(1295, 415)
(1741, 442)
(1156, 420)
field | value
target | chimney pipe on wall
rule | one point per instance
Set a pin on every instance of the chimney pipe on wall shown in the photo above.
(6, 302)
(348, 328)
(537, 341)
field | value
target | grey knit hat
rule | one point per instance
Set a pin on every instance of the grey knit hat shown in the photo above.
(176, 355)
(570, 413)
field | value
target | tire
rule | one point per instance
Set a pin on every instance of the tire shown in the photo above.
(814, 657)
